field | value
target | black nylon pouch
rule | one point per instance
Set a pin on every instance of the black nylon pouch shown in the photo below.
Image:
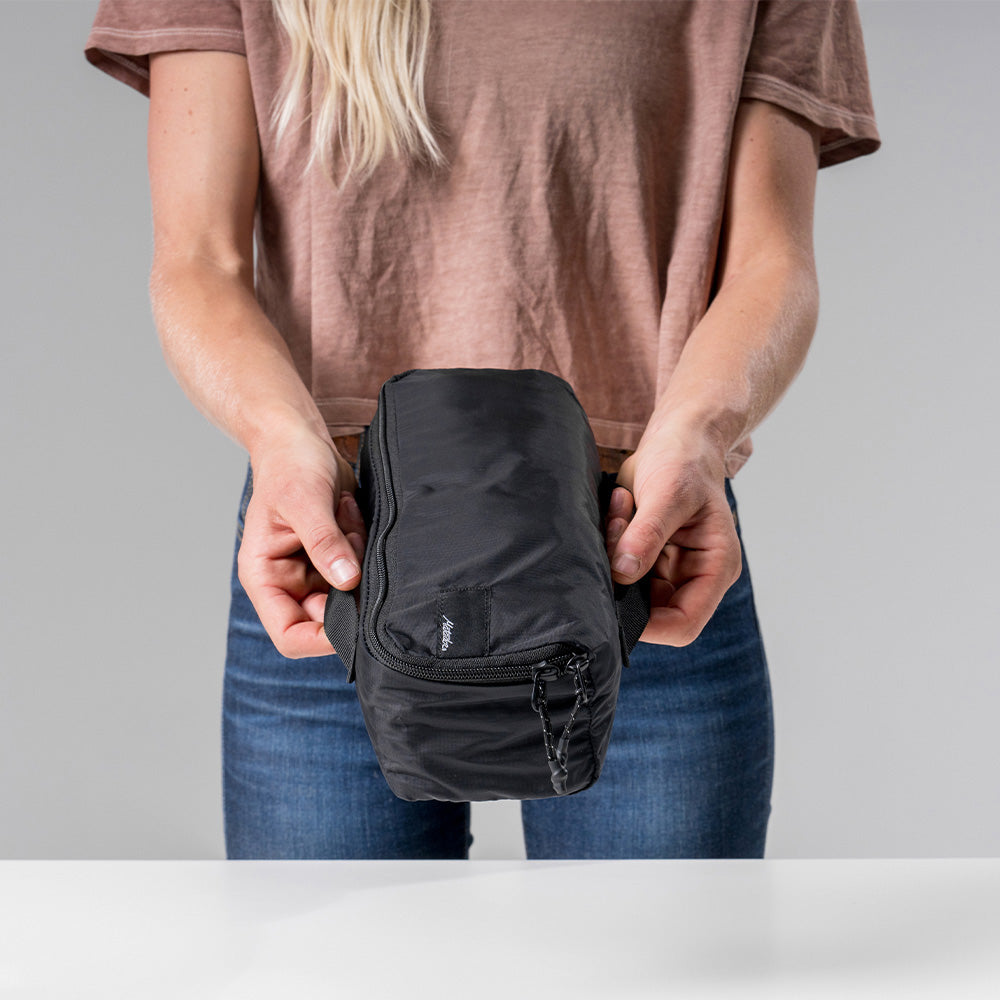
(486, 637)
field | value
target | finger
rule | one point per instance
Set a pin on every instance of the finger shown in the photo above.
(358, 544)
(294, 631)
(316, 587)
(278, 587)
(620, 511)
(294, 574)
(680, 621)
(352, 523)
(660, 592)
(315, 603)
(616, 528)
(686, 589)
(638, 547)
(349, 515)
(653, 531)
(315, 606)
(293, 577)
(310, 515)
(677, 563)
(622, 503)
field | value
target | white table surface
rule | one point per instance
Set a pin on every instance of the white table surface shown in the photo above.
(528, 929)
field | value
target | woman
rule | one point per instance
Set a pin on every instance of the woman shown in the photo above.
(621, 194)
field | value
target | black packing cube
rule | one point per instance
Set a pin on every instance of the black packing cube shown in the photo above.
(486, 638)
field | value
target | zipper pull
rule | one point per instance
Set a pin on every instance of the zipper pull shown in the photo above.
(582, 681)
(542, 673)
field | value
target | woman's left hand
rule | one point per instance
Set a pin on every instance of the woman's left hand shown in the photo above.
(674, 519)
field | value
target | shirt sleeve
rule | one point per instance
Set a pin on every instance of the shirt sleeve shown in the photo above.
(809, 57)
(125, 32)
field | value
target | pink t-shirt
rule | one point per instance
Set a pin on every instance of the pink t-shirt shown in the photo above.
(576, 227)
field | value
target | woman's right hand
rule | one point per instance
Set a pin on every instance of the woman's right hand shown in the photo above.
(294, 535)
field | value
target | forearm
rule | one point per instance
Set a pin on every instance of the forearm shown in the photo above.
(226, 355)
(743, 354)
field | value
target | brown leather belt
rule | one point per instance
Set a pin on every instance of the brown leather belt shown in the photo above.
(611, 458)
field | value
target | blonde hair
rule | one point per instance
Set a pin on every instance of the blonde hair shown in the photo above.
(369, 58)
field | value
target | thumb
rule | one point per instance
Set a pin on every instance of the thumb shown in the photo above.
(328, 548)
(640, 544)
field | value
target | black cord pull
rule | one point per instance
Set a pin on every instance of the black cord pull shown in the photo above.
(557, 755)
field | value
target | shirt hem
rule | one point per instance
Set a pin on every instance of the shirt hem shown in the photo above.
(346, 416)
(350, 415)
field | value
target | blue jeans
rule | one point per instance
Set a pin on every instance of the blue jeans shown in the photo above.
(688, 771)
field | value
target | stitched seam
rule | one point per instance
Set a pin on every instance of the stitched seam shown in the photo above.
(826, 147)
(130, 33)
(807, 97)
(488, 593)
(133, 67)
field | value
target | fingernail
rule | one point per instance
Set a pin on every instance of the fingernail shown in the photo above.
(617, 502)
(626, 564)
(343, 570)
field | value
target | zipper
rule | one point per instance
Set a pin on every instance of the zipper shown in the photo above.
(523, 665)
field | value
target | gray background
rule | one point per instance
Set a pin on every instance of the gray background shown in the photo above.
(867, 508)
